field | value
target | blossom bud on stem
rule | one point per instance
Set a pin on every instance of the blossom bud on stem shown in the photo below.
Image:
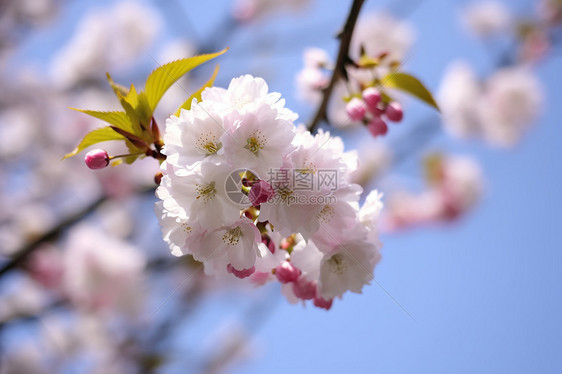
(97, 159)
(377, 127)
(372, 97)
(394, 112)
(356, 109)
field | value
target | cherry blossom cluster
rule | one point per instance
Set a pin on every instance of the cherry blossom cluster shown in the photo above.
(250, 195)
(532, 35)
(499, 109)
(454, 186)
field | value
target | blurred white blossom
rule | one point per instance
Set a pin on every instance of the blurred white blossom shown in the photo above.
(382, 33)
(102, 272)
(250, 10)
(106, 40)
(485, 18)
(500, 109)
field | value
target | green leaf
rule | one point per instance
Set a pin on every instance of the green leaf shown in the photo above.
(197, 94)
(96, 136)
(410, 85)
(117, 119)
(144, 111)
(163, 77)
(117, 88)
(133, 117)
(132, 96)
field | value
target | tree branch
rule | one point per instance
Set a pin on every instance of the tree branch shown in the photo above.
(345, 40)
(21, 255)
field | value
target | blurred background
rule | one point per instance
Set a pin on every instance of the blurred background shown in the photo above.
(87, 284)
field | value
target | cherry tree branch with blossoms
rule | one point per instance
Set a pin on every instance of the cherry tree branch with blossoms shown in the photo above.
(243, 190)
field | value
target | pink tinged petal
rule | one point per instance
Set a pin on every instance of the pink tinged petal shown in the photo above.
(240, 273)
(97, 159)
(304, 289)
(288, 290)
(323, 303)
(260, 192)
(287, 272)
(259, 278)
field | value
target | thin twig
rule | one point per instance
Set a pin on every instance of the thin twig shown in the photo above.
(21, 254)
(345, 41)
(27, 249)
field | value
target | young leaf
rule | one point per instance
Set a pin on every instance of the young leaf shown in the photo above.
(117, 119)
(409, 84)
(144, 111)
(117, 88)
(132, 96)
(96, 136)
(132, 115)
(197, 94)
(163, 77)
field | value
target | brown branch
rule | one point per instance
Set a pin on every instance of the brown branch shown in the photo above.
(21, 254)
(343, 56)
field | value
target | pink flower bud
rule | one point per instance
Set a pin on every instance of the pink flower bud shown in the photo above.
(377, 127)
(260, 192)
(240, 273)
(304, 289)
(323, 303)
(394, 112)
(287, 272)
(97, 159)
(372, 97)
(356, 109)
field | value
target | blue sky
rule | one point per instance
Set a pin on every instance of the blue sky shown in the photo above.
(482, 295)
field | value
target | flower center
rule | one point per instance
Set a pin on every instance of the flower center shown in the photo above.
(240, 103)
(207, 144)
(308, 168)
(337, 264)
(186, 228)
(284, 193)
(255, 142)
(205, 191)
(326, 214)
(232, 237)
